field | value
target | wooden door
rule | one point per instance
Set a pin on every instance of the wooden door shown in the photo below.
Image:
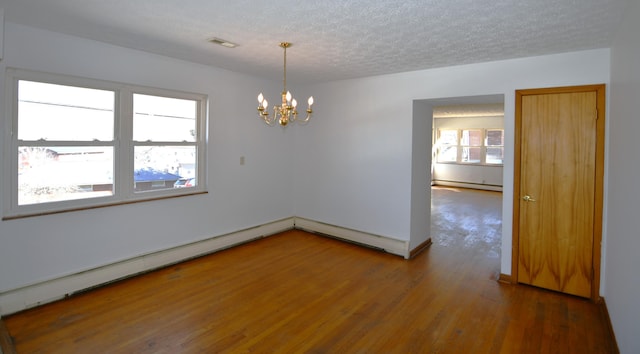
(559, 188)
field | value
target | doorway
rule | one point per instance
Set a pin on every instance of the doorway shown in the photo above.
(466, 199)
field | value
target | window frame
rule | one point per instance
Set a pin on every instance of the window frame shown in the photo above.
(483, 147)
(123, 145)
(468, 147)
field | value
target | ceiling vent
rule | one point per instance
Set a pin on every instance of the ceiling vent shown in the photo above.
(222, 42)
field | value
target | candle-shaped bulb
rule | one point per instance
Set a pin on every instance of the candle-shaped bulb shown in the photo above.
(288, 96)
(294, 103)
(260, 97)
(265, 104)
(310, 101)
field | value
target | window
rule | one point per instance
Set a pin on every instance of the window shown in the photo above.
(471, 145)
(475, 146)
(164, 141)
(495, 146)
(78, 143)
(448, 146)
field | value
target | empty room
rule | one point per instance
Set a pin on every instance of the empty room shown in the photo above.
(210, 176)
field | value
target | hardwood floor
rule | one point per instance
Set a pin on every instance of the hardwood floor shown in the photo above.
(297, 292)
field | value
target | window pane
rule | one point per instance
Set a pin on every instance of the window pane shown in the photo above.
(163, 167)
(495, 155)
(471, 154)
(164, 119)
(50, 174)
(472, 137)
(495, 137)
(448, 154)
(448, 137)
(58, 112)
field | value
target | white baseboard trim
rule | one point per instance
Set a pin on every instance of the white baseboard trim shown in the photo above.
(22, 298)
(486, 187)
(15, 300)
(390, 245)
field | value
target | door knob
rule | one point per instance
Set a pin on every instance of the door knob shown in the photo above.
(527, 198)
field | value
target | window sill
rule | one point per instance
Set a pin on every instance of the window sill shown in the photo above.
(470, 164)
(103, 205)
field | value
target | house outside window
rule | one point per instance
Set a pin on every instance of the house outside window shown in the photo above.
(78, 143)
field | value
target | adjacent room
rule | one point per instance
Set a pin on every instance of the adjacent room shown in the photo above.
(468, 145)
(138, 178)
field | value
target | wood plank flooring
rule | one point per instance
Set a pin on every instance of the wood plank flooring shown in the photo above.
(298, 292)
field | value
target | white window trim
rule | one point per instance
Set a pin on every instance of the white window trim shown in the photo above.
(122, 144)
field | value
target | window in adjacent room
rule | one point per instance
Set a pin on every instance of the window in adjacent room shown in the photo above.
(448, 145)
(495, 146)
(474, 146)
(471, 146)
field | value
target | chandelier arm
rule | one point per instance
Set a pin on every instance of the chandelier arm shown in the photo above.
(262, 114)
(266, 118)
(277, 113)
(306, 119)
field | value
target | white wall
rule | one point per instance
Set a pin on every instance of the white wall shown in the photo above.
(622, 284)
(35, 249)
(420, 230)
(470, 176)
(353, 163)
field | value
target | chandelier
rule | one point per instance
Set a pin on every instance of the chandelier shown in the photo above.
(286, 112)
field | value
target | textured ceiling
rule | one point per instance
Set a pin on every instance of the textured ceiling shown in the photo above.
(332, 39)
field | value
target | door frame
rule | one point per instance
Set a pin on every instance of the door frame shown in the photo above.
(600, 90)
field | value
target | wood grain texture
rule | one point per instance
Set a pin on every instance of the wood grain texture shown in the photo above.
(6, 342)
(558, 163)
(559, 145)
(297, 292)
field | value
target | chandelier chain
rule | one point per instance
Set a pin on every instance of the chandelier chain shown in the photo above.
(284, 81)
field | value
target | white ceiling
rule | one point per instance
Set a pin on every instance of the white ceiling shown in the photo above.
(332, 39)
